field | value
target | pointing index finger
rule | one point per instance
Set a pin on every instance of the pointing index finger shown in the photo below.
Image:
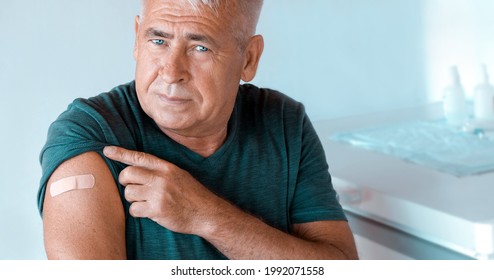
(130, 157)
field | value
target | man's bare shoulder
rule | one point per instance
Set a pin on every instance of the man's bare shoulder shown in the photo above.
(83, 215)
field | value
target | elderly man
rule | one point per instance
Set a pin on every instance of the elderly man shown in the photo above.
(185, 163)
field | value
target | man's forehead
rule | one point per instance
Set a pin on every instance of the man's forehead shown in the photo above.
(193, 6)
(230, 18)
(159, 13)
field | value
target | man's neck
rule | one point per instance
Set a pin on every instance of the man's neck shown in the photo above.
(203, 145)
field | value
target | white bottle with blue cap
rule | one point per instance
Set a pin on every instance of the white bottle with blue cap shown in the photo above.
(454, 100)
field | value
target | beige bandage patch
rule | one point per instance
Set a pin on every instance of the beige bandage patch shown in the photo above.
(72, 183)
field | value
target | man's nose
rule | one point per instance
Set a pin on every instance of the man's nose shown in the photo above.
(174, 67)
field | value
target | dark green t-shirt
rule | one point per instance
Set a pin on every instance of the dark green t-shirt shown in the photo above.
(272, 164)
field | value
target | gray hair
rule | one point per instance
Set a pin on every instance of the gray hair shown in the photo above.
(245, 14)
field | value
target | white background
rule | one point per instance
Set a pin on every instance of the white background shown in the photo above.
(339, 57)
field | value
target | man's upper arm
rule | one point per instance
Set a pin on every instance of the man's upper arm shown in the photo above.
(336, 234)
(84, 223)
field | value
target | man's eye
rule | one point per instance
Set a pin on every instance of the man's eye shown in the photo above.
(202, 49)
(158, 42)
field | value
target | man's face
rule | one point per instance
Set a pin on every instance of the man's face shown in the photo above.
(188, 68)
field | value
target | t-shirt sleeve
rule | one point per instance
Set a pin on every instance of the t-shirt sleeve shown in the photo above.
(315, 198)
(76, 131)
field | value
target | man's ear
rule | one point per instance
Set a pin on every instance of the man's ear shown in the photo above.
(253, 54)
(136, 29)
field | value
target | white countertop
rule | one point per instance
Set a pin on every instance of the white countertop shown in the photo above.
(455, 212)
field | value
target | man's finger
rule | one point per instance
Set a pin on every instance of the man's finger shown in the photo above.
(136, 175)
(130, 157)
(138, 209)
(133, 193)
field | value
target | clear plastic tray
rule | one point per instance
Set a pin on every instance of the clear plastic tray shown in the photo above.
(433, 144)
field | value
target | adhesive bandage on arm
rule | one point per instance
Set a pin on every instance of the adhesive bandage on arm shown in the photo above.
(78, 182)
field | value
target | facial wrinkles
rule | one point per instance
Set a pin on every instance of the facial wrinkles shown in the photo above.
(178, 19)
(182, 14)
(153, 19)
(226, 16)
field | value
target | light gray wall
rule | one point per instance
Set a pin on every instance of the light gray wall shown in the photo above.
(52, 51)
(344, 57)
(339, 57)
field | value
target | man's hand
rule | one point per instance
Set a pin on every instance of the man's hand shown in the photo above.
(163, 192)
(171, 197)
